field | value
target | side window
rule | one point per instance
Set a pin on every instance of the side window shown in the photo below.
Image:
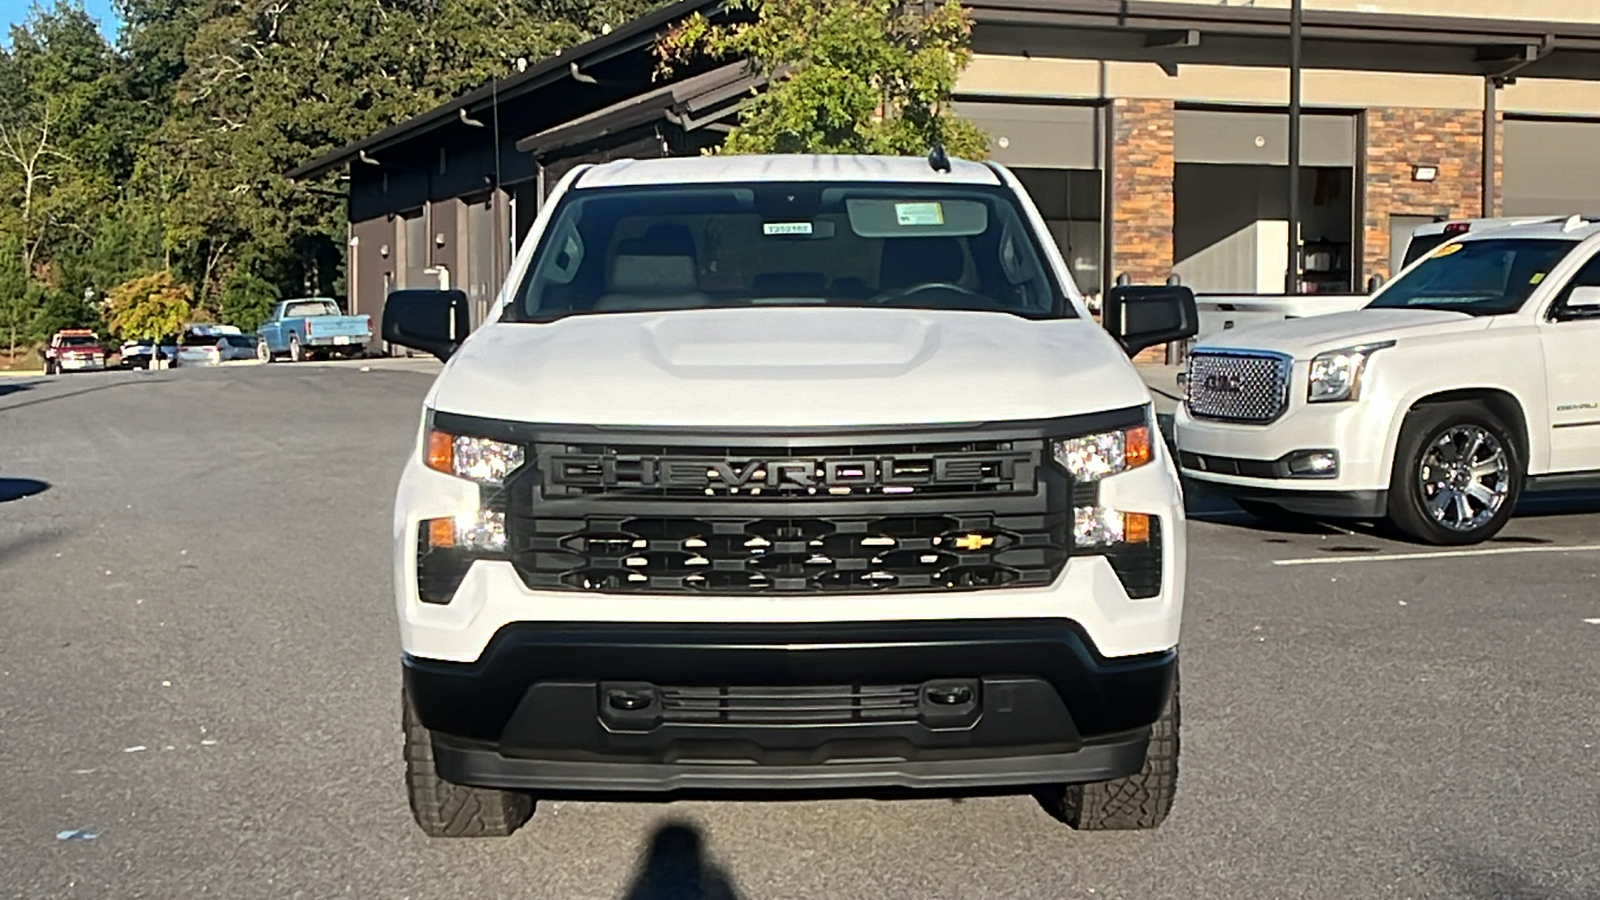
(1588, 276)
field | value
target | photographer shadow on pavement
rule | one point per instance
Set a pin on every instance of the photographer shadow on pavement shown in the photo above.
(676, 868)
(18, 488)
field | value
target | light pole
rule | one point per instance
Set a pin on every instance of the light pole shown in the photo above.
(1292, 280)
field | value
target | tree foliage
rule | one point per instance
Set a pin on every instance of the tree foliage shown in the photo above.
(166, 152)
(850, 76)
(150, 306)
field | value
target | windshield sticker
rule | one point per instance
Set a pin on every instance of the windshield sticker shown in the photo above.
(915, 214)
(1448, 249)
(770, 228)
(1537, 277)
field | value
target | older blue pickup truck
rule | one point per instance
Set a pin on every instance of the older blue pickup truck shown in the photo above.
(312, 327)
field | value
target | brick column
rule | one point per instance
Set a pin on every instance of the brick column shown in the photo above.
(1397, 140)
(1141, 190)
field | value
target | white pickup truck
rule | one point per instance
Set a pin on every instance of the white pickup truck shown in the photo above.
(789, 472)
(1467, 380)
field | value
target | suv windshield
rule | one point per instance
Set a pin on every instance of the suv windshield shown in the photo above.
(920, 246)
(82, 341)
(1479, 278)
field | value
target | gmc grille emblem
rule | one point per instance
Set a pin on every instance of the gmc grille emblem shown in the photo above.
(1222, 384)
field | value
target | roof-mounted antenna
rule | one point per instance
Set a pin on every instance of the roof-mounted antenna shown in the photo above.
(937, 160)
(1573, 224)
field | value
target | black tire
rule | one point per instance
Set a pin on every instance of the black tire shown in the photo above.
(1136, 802)
(1271, 513)
(446, 809)
(1410, 511)
(295, 353)
(49, 367)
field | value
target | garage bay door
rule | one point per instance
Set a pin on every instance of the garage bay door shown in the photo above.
(1549, 168)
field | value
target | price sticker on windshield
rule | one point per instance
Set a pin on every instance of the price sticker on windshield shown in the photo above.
(912, 215)
(1448, 249)
(771, 228)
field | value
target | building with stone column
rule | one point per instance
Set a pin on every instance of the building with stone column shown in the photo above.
(1152, 135)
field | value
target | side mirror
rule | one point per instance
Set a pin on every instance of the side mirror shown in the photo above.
(1585, 298)
(432, 321)
(1142, 317)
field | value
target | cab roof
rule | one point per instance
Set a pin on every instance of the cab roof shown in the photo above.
(798, 167)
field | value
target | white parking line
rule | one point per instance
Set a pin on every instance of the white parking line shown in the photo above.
(1435, 554)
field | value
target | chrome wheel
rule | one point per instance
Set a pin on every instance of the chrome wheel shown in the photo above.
(1465, 476)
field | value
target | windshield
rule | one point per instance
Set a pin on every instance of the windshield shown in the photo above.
(311, 308)
(239, 340)
(1479, 278)
(79, 342)
(920, 246)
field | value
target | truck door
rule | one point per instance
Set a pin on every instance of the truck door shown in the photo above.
(1570, 334)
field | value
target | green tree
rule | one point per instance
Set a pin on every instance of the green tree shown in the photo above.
(150, 306)
(850, 76)
(19, 299)
(68, 134)
(247, 299)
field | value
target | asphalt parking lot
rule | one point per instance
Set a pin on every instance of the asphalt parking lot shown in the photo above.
(198, 666)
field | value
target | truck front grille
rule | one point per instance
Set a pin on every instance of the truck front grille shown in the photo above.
(815, 554)
(756, 473)
(1251, 388)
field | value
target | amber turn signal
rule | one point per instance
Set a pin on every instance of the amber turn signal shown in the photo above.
(1137, 447)
(441, 454)
(1135, 528)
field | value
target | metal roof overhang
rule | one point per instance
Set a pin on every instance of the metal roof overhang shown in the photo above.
(629, 38)
(691, 103)
(1172, 34)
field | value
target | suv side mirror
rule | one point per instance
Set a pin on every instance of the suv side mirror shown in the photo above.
(432, 321)
(1584, 300)
(1144, 316)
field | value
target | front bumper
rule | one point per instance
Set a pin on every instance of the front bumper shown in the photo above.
(790, 706)
(81, 365)
(1251, 461)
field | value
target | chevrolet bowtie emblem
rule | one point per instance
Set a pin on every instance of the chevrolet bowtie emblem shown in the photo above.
(973, 542)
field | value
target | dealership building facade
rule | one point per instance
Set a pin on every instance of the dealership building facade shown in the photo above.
(1153, 136)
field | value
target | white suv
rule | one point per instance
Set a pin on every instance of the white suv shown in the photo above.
(789, 472)
(1469, 379)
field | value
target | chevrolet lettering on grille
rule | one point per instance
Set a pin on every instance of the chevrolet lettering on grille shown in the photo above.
(787, 474)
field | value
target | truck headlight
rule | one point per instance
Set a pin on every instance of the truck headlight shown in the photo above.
(475, 459)
(1096, 456)
(1336, 374)
(1096, 526)
(447, 547)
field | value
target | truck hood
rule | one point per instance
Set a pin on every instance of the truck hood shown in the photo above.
(1305, 338)
(787, 367)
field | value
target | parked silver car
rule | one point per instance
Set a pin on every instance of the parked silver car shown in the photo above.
(214, 350)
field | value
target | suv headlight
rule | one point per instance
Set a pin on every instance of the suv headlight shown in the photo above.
(475, 459)
(1336, 374)
(1096, 456)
